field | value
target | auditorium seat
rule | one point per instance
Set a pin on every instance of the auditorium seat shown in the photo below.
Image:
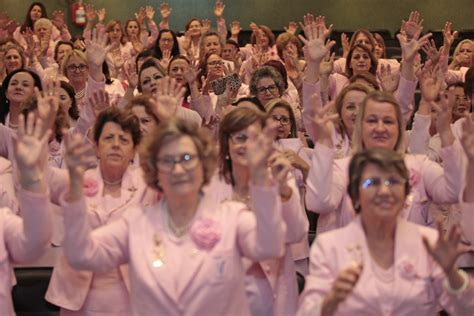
(28, 293)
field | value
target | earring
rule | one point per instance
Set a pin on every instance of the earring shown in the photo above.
(227, 157)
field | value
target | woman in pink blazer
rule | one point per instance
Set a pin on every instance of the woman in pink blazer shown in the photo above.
(380, 264)
(109, 190)
(271, 284)
(24, 239)
(379, 124)
(185, 252)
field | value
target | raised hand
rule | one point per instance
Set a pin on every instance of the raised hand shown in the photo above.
(341, 288)
(165, 100)
(410, 47)
(448, 36)
(166, 58)
(316, 32)
(467, 138)
(79, 156)
(235, 29)
(322, 122)
(90, 13)
(388, 78)
(30, 142)
(430, 81)
(58, 19)
(101, 14)
(219, 9)
(48, 102)
(165, 11)
(99, 101)
(447, 249)
(345, 45)
(431, 51)
(149, 12)
(327, 65)
(140, 16)
(413, 26)
(280, 167)
(96, 51)
(444, 114)
(191, 74)
(292, 28)
(259, 147)
(206, 26)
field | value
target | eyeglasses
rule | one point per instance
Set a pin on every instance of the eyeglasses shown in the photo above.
(215, 63)
(166, 40)
(238, 138)
(376, 183)
(271, 89)
(282, 119)
(74, 68)
(187, 161)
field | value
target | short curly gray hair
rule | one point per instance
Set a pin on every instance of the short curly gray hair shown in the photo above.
(266, 72)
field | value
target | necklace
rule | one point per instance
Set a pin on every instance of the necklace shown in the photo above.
(80, 94)
(112, 183)
(178, 231)
(240, 197)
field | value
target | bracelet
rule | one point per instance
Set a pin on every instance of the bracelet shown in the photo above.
(464, 285)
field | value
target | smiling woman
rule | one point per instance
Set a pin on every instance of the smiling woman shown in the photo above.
(384, 252)
(379, 124)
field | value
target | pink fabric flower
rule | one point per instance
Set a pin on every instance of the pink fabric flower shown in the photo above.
(414, 177)
(407, 269)
(91, 187)
(205, 233)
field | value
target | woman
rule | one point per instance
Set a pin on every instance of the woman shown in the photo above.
(166, 47)
(380, 264)
(379, 48)
(25, 238)
(266, 84)
(190, 43)
(150, 80)
(295, 151)
(53, 71)
(462, 56)
(153, 240)
(78, 68)
(110, 188)
(467, 211)
(14, 58)
(121, 51)
(379, 124)
(17, 87)
(365, 38)
(270, 285)
(143, 109)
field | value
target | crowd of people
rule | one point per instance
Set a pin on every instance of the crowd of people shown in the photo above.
(173, 174)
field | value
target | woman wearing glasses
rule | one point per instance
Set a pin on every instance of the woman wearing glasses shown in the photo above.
(185, 252)
(297, 153)
(270, 284)
(381, 264)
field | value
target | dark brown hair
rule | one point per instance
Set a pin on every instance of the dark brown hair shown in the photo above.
(373, 60)
(236, 120)
(125, 119)
(385, 159)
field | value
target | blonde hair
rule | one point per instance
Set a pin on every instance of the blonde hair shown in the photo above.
(43, 22)
(461, 43)
(378, 96)
(74, 53)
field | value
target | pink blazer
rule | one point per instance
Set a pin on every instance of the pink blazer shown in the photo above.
(202, 272)
(280, 273)
(418, 280)
(69, 287)
(467, 222)
(22, 240)
(328, 178)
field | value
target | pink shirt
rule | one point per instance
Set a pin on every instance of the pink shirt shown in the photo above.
(192, 275)
(22, 240)
(417, 286)
(327, 181)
